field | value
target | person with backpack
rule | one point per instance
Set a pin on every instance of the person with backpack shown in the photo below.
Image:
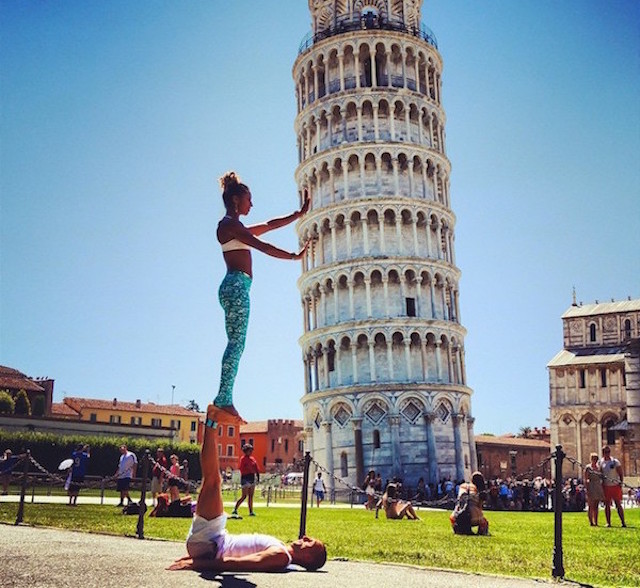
(468, 509)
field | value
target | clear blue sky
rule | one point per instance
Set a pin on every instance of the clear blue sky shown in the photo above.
(117, 118)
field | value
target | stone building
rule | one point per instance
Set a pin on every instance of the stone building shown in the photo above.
(383, 346)
(507, 456)
(594, 382)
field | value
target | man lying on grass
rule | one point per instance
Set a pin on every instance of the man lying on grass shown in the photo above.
(209, 545)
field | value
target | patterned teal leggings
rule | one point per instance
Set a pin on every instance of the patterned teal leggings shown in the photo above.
(234, 298)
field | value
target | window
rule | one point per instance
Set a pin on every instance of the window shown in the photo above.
(219, 431)
(300, 446)
(286, 445)
(624, 377)
(627, 329)
(480, 461)
(376, 439)
(136, 420)
(175, 424)
(611, 435)
(331, 359)
(251, 441)
(156, 423)
(229, 450)
(344, 464)
(582, 377)
(219, 448)
(603, 377)
(115, 419)
(411, 306)
(273, 445)
(231, 430)
(93, 417)
(592, 332)
(194, 426)
(243, 442)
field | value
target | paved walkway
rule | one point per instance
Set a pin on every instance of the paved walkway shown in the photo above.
(51, 558)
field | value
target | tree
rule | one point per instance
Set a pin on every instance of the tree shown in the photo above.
(23, 406)
(7, 405)
(193, 405)
(38, 406)
(525, 432)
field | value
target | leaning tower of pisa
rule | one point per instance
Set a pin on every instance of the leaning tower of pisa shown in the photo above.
(383, 346)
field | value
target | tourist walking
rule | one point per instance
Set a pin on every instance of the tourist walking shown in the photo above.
(249, 476)
(237, 241)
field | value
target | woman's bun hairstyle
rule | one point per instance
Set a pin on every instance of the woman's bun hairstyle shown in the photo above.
(231, 186)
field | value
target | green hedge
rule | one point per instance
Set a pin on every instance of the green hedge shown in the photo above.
(49, 450)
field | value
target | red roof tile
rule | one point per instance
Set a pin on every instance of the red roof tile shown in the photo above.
(15, 380)
(61, 409)
(81, 404)
(511, 441)
(254, 427)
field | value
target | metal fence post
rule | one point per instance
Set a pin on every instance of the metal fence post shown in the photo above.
(143, 494)
(558, 567)
(23, 487)
(305, 493)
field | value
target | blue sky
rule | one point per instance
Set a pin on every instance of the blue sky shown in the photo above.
(117, 118)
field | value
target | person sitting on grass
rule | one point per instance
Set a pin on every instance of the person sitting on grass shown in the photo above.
(394, 507)
(210, 547)
(468, 510)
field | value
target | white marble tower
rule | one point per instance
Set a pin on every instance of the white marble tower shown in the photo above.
(383, 347)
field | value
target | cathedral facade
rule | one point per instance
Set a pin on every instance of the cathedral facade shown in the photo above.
(383, 345)
(594, 383)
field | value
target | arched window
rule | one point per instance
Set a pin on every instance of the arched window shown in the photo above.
(344, 464)
(627, 329)
(592, 332)
(611, 435)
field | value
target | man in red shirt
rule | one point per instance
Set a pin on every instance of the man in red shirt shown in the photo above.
(249, 476)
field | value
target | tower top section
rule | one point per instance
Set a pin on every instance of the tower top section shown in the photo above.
(329, 14)
(334, 17)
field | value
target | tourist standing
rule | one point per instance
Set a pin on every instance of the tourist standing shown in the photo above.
(249, 476)
(78, 471)
(595, 492)
(127, 466)
(612, 482)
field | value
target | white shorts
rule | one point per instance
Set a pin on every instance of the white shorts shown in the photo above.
(205, 536)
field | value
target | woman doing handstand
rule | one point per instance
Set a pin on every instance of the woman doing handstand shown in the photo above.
(237, 241)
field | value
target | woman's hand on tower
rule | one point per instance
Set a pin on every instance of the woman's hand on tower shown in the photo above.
(306, 202)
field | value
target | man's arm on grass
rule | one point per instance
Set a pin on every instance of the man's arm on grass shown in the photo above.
(272, 559)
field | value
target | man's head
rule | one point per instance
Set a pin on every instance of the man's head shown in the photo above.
(309, 553)
(248, 448)
(159, 452)
(606, 451)
(123, 449)
(319, 475)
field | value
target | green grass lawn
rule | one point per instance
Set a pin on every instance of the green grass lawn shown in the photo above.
(521, 543)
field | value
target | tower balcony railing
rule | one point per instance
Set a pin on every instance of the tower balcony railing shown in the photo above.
(368, 22)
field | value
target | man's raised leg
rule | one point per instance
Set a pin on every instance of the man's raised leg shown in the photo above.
(209, 504)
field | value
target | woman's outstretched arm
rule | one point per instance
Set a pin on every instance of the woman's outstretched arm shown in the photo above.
(276, 223)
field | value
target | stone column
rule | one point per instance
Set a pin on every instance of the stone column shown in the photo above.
(357, 439)
(407, 357)
(352, 310)
(334, 246)
(432, 459)
(457, 419)
(396, 454)
(341, 68)
(308, 439)
(385, 290)
(390, 359)
(367, 286)
(472, 443)
(365, 234)
(438, 345)
(329, 455)
(347, 224)
(372, 360)
(354, 360)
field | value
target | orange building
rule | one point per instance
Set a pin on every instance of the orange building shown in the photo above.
(277, 443)
(507, 456)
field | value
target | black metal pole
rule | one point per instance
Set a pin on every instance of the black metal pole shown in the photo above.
(305, 492)
(23, 486)
(558, 567)
(143, 494)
